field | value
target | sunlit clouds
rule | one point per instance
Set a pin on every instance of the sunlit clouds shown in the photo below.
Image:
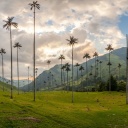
(94, 23)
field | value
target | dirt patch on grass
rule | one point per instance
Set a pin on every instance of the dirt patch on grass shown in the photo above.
(25, 118)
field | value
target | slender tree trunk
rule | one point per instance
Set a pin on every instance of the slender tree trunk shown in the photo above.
(82, 80)
(95, 75)
(109, 75)
(2, 71)
(64, 76)
(100, 71)
(28, 79)
(127, 71)
(77, 75)
(11, 65)
(18, 70)
(72, 77)
(34, 59)
(87, 73)
(119, 73)
(61, 72)
(67, 81)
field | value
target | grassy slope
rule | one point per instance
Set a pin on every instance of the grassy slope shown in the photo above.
(55, 110)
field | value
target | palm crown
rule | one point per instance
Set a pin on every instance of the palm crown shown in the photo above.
(34, 4)
(95, 54)
(109, 48)
(48, 62)
(17, 45)
(119, 65)
(9, 23)
(61, 57)
(2, 51)
(72, 40)
(86, 55)
(81, 68)
(67, 65)
(67, 69)
(77, 64)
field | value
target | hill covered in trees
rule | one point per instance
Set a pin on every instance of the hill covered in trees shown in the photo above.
(52, 78)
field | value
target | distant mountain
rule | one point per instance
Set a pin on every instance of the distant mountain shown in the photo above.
(15, 82)
(117, 56)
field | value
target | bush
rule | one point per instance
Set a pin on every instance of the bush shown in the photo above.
(121, 86)
(102, 86)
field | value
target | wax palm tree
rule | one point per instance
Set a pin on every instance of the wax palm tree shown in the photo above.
(87, 56)
(119, 66)
(109, 48)
(100, 69)
(8, 26)
(77, 66)
(34, 6)
(18, 46)
(72, 41)
(61, 57)
(81, 69)
(2, 52)
(67, 69)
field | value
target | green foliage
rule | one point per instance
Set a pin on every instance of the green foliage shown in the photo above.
(102, 86)
(121, 86)
(113, 83)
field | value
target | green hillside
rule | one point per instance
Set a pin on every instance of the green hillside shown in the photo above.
(117, 56)
(55, 110)
(6, 87)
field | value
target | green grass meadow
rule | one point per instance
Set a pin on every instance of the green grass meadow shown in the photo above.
(54, 109)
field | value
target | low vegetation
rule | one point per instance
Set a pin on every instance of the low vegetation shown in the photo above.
(53, 109)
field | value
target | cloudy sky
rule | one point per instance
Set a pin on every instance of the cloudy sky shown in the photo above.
(95, 23)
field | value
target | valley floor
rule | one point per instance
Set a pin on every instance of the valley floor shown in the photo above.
(55, 110)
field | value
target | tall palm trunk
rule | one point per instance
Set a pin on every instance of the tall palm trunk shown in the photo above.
(28, 78)
(109, 74)
(119, 73)
(100, 71)
(95, 68)
(34, 59)
(64, 76)
(95, 75)
(67, 81)
(2, 71)
(61, 72)
(11, 64)
(72, 77)
(18, 70)
(82, 81)
(86, 72)
(127, 71)
(77, 75)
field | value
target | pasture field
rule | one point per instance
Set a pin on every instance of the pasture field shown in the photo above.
(53, 109)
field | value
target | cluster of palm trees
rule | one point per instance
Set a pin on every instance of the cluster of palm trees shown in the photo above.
(71, 41)
(8, 25)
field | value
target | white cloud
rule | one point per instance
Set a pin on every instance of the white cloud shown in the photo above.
(94, 23)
